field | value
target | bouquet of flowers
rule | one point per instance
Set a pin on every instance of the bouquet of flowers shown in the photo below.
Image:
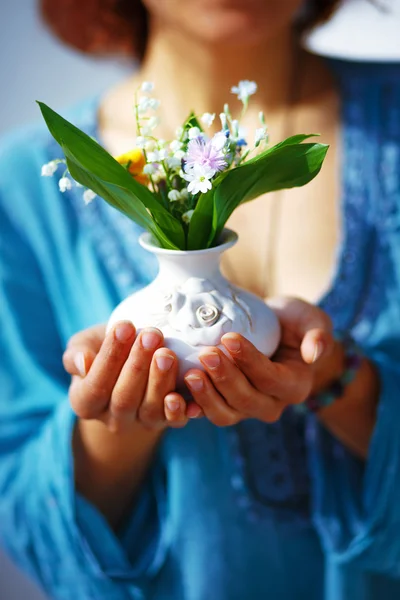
(183, 191)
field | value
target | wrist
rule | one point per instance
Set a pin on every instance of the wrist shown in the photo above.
(109, 457)
(344, 369)
(329, 368)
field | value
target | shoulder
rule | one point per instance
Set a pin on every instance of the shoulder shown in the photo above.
(25, 150)
(32, 209)
(24, 193)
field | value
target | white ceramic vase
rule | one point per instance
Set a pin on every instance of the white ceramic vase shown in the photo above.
(194, 305)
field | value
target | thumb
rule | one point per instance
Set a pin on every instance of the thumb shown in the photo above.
(82, 349)
(308, 324)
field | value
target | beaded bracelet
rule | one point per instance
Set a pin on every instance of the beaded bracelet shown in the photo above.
(352, 363)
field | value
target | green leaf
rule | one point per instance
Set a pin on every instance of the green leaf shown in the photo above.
(200, 226)
(133, 199)
(201, 222)
(123, 201)
(284, 166)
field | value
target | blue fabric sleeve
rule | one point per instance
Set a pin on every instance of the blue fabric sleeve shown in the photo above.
(357, 503)
(47, 528)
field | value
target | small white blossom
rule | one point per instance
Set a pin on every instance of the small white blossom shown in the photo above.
(224, 121)
(199, 177)
(207, 119)
(141, 141)
(49, 169)
(152, 156)
(261, 117)
(88, 196)
(147, 86)
(64, 184)
(235, 129)
(149, 145)
(179, 155)
(187, 216)
(153, 103)
(194, 132)
(244, 89)
(143, 105)
(175, 145)
(173, 162)
(151, 124)
(179, 132)
(161, 143)
(219, 141)
(184, 194)
(174, 195)
(150, 169)
(157, 155)
(260, 135)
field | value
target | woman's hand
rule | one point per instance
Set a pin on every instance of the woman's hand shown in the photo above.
(246, 384)
(123, 391)
(121, 379)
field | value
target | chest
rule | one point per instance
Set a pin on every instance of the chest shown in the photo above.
(288, 240)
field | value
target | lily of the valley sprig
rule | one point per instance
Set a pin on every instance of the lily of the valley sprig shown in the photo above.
(183, 190)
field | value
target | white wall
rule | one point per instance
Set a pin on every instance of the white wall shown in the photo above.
(34, 66)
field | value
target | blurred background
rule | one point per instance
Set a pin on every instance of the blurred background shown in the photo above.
(33, 65)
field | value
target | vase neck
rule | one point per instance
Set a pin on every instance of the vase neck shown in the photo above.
(177, 269)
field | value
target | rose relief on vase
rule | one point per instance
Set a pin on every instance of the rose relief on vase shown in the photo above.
(194, 305)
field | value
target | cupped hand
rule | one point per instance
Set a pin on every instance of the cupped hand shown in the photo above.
(242, 383)
(122, 378)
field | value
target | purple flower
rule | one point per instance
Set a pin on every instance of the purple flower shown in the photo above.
(206, 153)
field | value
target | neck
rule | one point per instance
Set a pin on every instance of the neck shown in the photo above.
(205, 81)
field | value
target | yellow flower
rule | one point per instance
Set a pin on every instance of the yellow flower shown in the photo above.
(134, 162)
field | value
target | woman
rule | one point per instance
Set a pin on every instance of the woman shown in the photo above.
(141, 496)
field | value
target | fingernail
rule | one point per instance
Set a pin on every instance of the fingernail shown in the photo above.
(212, 360)
(173, 405)
(123, 332)
(79, 361)
(150, 339)
(232, 344)
(195, 383)
(193, 411)
(318, 350)
(164, 362)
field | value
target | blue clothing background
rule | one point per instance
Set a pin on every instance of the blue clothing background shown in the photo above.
(254, 511)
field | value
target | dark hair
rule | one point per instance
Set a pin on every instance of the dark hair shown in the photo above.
(120, 26)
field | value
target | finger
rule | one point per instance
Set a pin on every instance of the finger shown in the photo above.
(301, 319)
(82, 349)
(161, 381)
(93, 394)
(210, 401)
(194, 411)
(130, 388)
(90, 338)
(175, 410)
(288, 380)
(315, 344)
(236, 388)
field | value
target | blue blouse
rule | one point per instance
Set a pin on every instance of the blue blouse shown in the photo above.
(279, 511)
